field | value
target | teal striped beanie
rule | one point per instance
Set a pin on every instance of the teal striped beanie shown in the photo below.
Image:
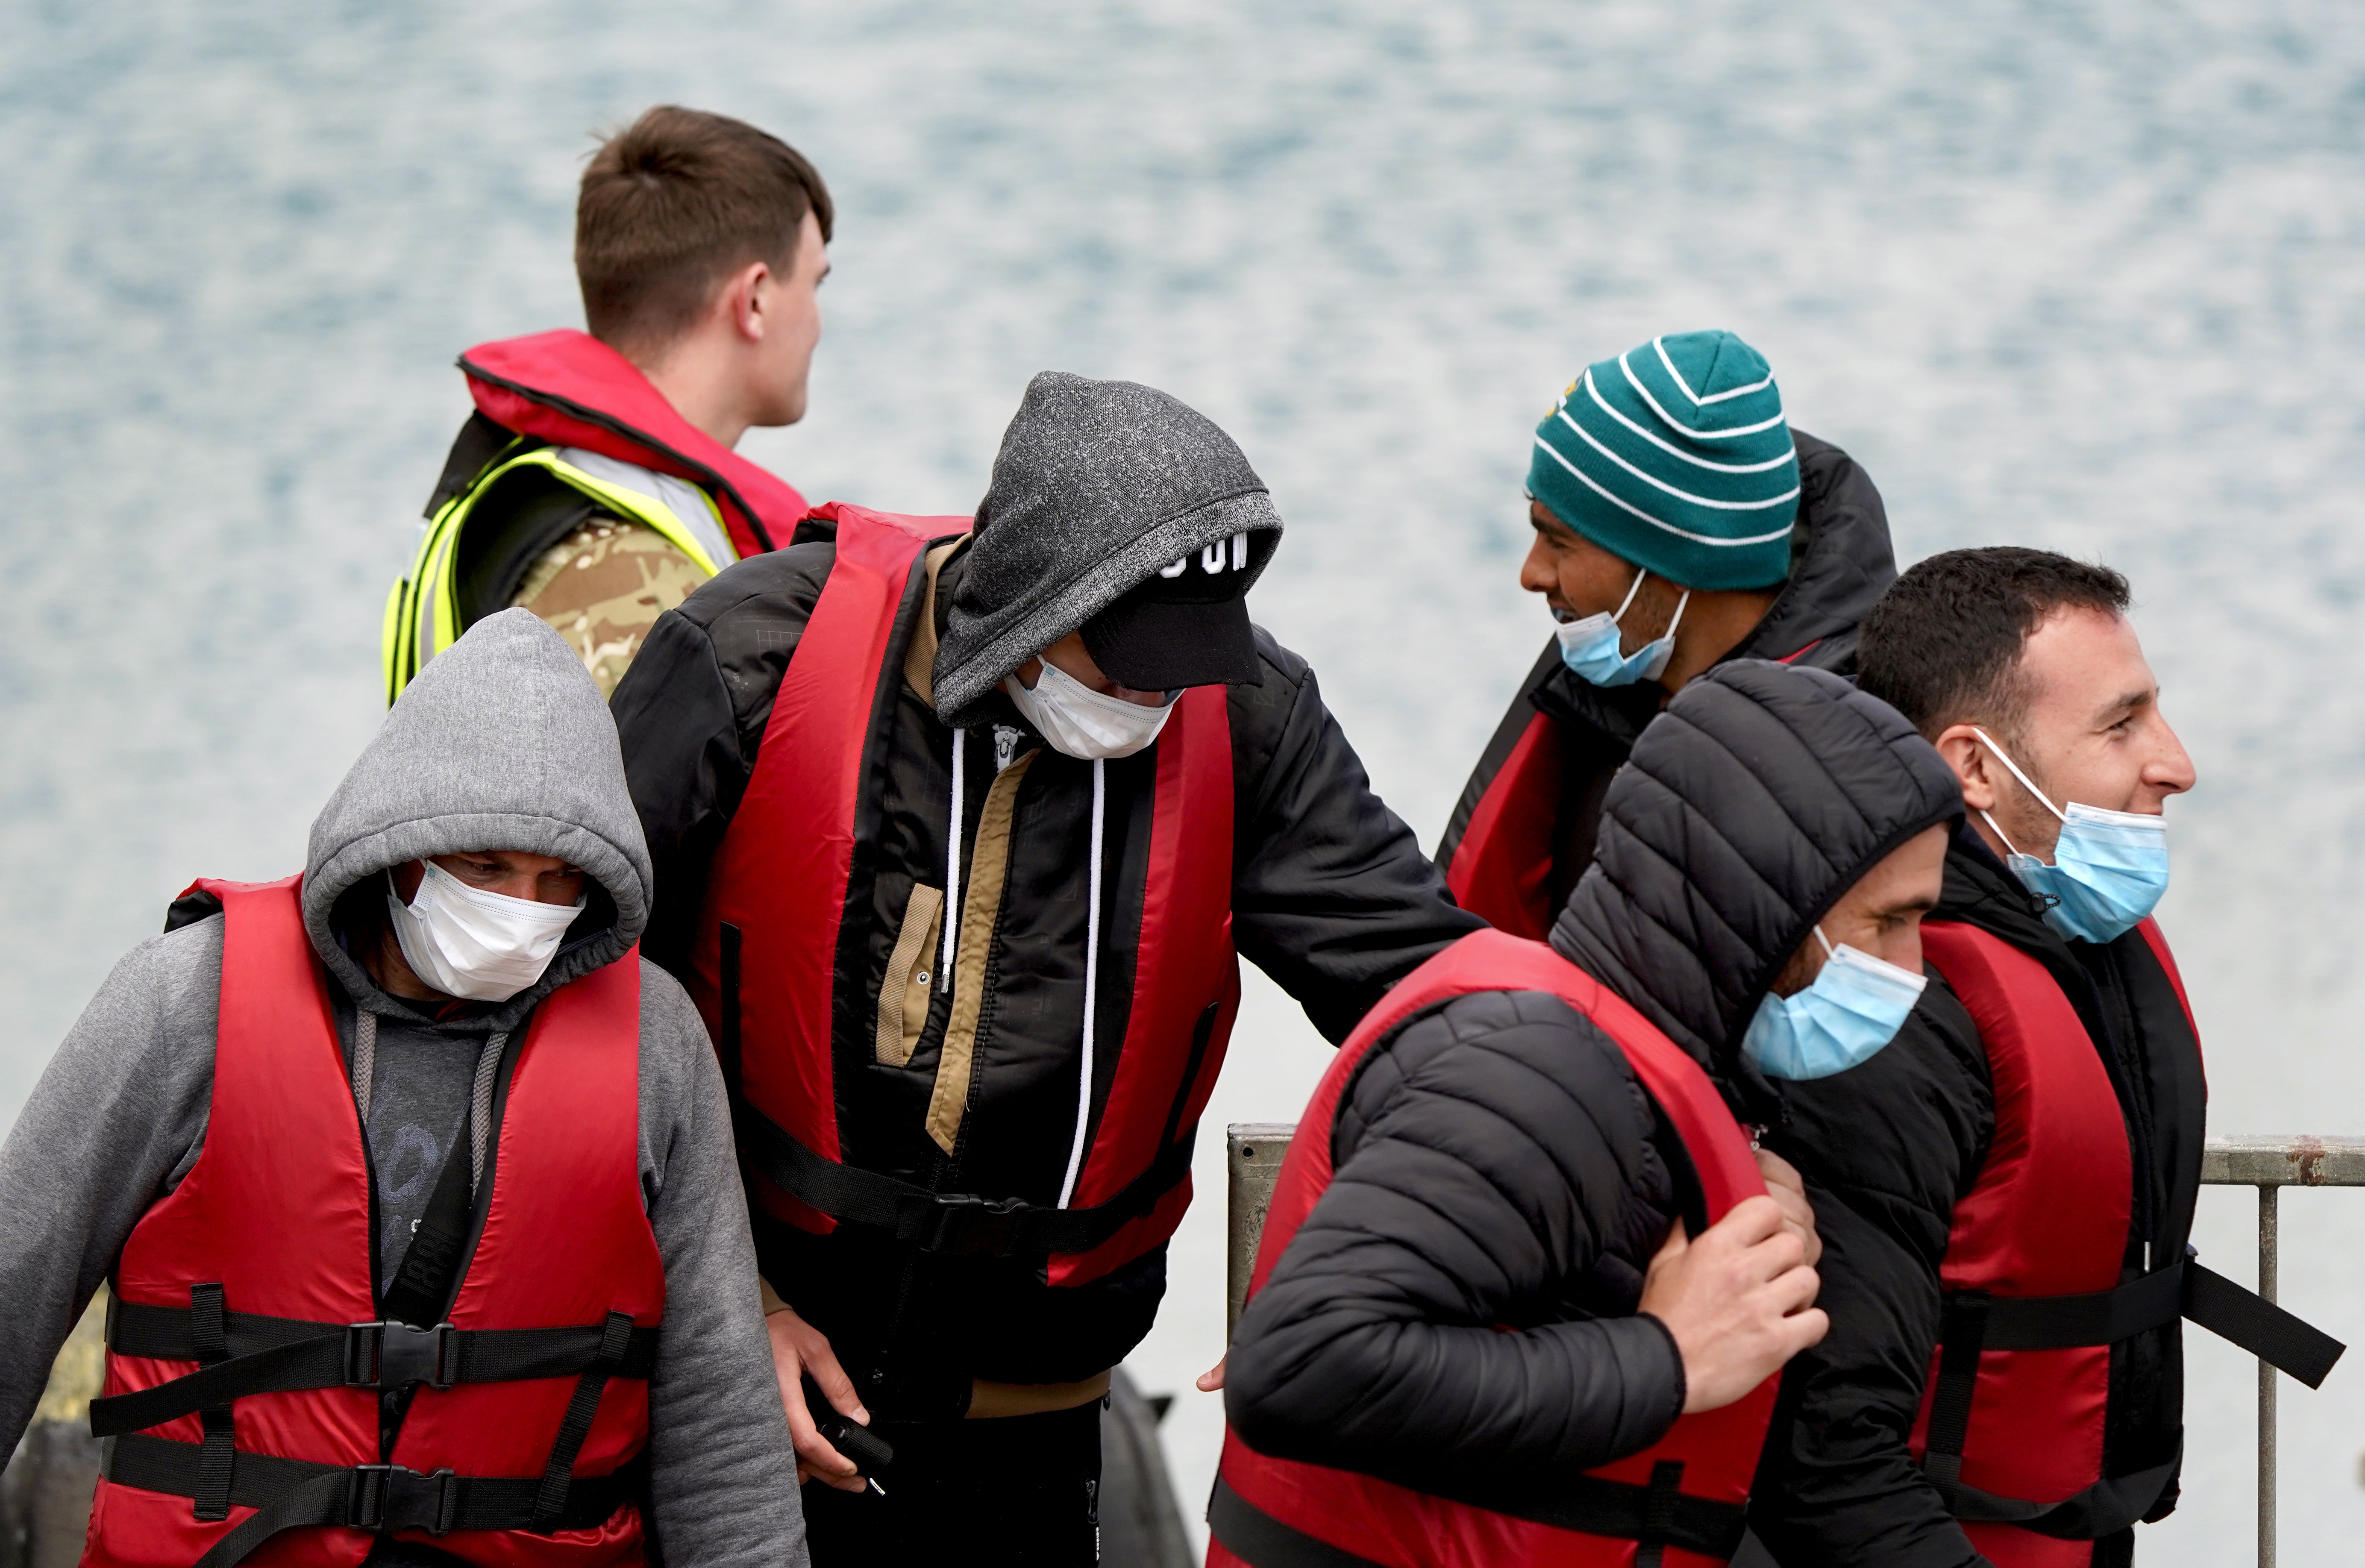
(1675, 455)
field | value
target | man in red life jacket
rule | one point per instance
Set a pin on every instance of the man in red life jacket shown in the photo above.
(1680, 521)
(1522, 1293)
(401, 1172)
(596, 483)
(956, 833)
(2007, 1191)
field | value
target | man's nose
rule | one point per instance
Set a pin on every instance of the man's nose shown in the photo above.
(2172, 770)
(1536, 573)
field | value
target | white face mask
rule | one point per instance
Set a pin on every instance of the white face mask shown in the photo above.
(1084, 723)
(466, 942)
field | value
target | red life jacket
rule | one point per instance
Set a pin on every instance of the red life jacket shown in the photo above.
(1497, 853)
(1685, 1493)
(244, 1368)
(2012, 1421)
(570, 389)
(773, 952)
(1500, 869)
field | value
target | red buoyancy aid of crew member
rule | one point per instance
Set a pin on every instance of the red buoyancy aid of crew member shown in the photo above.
(773, 947)
(244, 1370)
(2013, 1416)
(570, 389)
(1677, 1503)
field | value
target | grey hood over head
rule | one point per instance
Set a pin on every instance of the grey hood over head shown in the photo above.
(1097, 486)
(501, 742)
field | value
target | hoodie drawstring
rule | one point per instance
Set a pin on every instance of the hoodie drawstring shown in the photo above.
(365, 1061)
(1091, 940)
(1092, 980)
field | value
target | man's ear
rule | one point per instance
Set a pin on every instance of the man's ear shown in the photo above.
(1968, 755)
(743, 300)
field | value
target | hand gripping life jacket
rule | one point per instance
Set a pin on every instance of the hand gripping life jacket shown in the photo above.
(1677, 1503)
(774, 947)
(246, 1353)
(2011, 1423)
(537, 398)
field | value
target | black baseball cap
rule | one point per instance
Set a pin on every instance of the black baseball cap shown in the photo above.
(1187, 624)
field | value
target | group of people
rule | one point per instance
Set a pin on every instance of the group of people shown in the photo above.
(722, 1084)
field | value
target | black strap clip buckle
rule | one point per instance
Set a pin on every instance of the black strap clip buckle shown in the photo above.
(393, 1355)
(965, 1223)
(387, 1497)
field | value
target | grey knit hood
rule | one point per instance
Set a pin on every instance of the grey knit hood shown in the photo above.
(502, 742)
(1097, 486)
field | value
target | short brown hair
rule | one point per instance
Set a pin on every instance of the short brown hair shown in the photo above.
(1943, 646)
(673, 204)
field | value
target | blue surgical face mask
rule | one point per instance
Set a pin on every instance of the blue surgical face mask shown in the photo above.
(2109, 868)
(1856, 1006)
(1590, 646)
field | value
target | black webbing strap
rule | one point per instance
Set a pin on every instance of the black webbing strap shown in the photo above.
(1658, 1516)
(209, 1337)
(1260, 1540)
(1659, 1513)
(1962, 1333)
(558, 1474)
(280, 1355)
(2102, 1318)
(422, 1281)
(1974, 1322)
(961, 1223)
(2258, 1326)
(292, 1493)
(2106, 1507)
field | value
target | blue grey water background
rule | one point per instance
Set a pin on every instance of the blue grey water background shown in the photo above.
(2087, 279)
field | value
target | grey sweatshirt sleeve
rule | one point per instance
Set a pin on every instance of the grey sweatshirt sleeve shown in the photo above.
(722, 1471)
(118, 1113)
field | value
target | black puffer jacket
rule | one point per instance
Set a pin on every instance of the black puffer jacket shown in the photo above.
(1330, 896)
(1497, 1164)
(1888, 1152)
(1842, 563)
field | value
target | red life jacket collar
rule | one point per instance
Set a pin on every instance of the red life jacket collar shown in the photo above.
(570, 389)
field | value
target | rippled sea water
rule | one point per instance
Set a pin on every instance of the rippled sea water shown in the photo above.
(2082, 277)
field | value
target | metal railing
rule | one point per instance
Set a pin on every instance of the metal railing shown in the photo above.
(1254, 1152)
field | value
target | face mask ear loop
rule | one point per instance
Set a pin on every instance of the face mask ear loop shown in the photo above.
(1829, 952)
(1092, 980)
(2016, 773)
(1677, 619)
(1620, 614)
(2007, 845)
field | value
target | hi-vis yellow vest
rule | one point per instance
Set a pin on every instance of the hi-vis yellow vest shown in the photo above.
(422, 610)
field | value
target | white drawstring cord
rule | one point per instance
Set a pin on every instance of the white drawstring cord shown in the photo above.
(1092, 981)
(952, 873)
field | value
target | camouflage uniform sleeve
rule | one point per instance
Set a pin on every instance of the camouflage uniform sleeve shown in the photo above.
(602, 588)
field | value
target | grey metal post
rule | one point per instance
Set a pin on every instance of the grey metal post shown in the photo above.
(2267, 1239)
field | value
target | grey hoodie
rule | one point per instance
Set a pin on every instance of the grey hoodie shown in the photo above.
(502, 742)
(1098, 484)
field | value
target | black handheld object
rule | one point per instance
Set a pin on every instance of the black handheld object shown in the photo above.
(871, 1454)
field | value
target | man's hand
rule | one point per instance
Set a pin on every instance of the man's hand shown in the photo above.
(1790, 1189)
(800, 1350)
(1212, 1380)
(1738, 1299)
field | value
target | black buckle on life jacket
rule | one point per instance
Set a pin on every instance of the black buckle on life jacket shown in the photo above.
(962, 1223)
(387, 1497)
(392, 1355)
